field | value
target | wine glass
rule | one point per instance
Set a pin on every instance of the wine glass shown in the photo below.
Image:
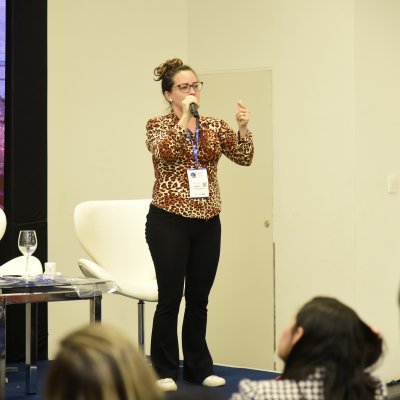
(27, 244)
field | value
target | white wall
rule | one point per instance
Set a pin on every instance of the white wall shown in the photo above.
(335, 70)
(377, 213)
(101, 93)
(336, 134)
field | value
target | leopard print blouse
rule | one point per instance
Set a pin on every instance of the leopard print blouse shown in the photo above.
(173, 155)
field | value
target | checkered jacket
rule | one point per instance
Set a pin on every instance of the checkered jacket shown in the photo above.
(285, 389)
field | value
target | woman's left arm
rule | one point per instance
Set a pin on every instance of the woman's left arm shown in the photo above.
(238, 147)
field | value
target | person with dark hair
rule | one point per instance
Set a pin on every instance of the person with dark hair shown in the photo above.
(327, 352)
(183, 228)
(98, 362)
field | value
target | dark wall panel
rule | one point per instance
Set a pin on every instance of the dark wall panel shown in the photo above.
(25, 183)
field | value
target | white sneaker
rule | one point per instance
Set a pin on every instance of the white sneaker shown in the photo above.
(214, 381)
(167, 384)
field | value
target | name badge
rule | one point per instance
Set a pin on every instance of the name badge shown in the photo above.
(198, 183)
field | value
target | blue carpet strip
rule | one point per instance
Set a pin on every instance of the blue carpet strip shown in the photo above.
(15, 388)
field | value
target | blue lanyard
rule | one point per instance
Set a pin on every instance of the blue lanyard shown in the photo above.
(195, 147)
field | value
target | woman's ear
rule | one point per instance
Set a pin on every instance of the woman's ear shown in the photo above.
(297, 335)
(167, 96)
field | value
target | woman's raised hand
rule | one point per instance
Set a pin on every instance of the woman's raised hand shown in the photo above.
(242, 118)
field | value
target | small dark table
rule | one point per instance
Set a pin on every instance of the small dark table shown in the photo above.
(43, 289)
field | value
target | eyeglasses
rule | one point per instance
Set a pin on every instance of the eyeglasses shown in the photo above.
(185, 87)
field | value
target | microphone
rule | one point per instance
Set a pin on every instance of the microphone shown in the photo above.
(193, 110)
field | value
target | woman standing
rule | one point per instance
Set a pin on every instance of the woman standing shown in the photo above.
(183, 228)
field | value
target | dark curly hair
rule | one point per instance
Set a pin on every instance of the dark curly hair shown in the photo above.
(336, 339)
(166, 71)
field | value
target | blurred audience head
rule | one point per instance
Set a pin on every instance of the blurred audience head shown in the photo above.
(98, 362)
(327, 333)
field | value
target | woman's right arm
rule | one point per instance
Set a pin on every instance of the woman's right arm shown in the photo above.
(164, 139)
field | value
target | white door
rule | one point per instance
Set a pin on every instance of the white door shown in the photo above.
(241, 309)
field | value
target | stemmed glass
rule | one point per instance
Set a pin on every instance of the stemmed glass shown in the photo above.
(27, 244)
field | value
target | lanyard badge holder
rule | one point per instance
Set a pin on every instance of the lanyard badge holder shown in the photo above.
(197, 177)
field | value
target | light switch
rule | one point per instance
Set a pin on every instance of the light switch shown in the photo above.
(392, 183)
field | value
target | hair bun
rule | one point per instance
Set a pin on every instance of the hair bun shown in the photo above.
(167, 68)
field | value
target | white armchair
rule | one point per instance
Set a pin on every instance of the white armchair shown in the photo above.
(112, 232)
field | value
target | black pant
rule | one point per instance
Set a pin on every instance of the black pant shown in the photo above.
(185, 252)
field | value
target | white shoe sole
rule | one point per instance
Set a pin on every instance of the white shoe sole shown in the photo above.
(167, 386)
(214, 381)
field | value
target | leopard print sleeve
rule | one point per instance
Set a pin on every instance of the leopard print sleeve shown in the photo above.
(240, 151)
(165, 138)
